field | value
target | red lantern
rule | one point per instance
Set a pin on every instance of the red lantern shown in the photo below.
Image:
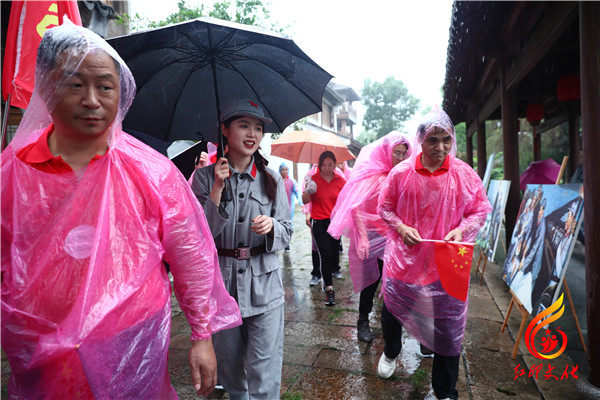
(568, 88)
(535, 113)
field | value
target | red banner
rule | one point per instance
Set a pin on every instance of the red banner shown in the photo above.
(27, 24)
(453, 262)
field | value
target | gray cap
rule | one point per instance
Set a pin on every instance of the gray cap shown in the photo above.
(244, 108)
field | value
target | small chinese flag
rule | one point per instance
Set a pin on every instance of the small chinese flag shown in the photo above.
(453, 262)
(26, 25)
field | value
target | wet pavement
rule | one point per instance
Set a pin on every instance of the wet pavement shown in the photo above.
(324, 360)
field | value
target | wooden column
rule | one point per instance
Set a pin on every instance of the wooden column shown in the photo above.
(574, 147)
(510, 145)
(481, 150)
(470, 150)
(537, 144)
(589, 15)
(295, 171)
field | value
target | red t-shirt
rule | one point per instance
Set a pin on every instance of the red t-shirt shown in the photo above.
(425, 172)
(38, 155)
(324, 199)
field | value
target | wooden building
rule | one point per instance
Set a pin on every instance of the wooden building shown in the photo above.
(506, 59)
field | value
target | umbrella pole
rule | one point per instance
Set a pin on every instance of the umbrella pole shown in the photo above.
(5, 121)
(226, 196)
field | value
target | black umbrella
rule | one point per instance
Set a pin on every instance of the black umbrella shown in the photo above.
(185, 72)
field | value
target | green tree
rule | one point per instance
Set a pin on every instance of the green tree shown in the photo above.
(461, 141)
(388, 105)
(367, 137)
(247, 12)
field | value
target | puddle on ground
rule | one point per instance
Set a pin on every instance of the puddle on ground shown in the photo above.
(410, 356)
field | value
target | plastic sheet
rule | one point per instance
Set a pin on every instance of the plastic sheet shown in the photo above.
(86, 300)
(355, 213)
(434, 206)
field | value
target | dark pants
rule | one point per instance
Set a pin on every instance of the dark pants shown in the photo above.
(365, 306)
(328, 249)
(316, 259)
(444, 374)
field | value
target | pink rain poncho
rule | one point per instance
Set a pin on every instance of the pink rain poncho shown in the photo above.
(434, 205)
(355, 213)
(86, 299)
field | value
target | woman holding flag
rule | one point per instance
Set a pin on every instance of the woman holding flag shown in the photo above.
(433, 196)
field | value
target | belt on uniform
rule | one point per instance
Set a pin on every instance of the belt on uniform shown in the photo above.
(242, 253)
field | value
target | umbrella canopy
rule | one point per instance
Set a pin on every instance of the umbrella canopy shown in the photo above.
(540, 172)
(307, 146)
(185, 73)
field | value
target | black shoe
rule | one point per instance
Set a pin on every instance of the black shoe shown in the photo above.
(330, 297)
(426, 352)
(363, 331)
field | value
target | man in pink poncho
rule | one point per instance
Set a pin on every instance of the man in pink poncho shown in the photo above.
(88, 215)
(432, 196)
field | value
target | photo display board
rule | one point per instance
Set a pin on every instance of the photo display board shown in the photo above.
(488, 235)
(542, 242)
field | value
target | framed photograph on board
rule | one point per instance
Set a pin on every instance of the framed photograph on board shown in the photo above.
(498, 201)
(488, 171)
(542, 242)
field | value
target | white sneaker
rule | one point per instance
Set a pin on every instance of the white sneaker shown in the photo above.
(314, 281)
(386, 366)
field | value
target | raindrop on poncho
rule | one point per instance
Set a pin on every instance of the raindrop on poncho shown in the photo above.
(355, 213)
(434, 205)
(86, 299)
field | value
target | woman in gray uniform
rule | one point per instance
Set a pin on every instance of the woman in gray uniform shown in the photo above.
(248, 230)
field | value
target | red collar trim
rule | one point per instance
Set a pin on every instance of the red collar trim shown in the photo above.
(40, 152)
(421, 169)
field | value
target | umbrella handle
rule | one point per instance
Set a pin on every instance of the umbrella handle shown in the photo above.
(226, 196)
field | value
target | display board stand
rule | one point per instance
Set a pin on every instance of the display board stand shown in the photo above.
(523, 310)
(524, 314)
(481, 255)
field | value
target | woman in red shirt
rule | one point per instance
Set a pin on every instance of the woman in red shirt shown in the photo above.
(323, 192)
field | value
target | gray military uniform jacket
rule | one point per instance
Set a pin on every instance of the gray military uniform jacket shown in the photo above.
(256, 282)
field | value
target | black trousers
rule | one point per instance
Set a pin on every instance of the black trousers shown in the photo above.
(444, 374)
(328, 249)
(365, 306)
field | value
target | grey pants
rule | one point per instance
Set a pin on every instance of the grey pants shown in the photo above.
(250, 356)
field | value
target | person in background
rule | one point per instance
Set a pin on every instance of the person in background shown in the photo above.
(346, 170)
(322, 190)
(355, 216)
(432, 196)
(248, 230)
(204, 159)
(291, 188)
(88, 215)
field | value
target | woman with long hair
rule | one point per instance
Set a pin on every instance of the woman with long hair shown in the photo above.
(248, 230)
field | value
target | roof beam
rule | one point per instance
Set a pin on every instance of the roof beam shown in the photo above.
(551, 27)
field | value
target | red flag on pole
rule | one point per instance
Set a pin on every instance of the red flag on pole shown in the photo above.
(27, 23)
(453, 260)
